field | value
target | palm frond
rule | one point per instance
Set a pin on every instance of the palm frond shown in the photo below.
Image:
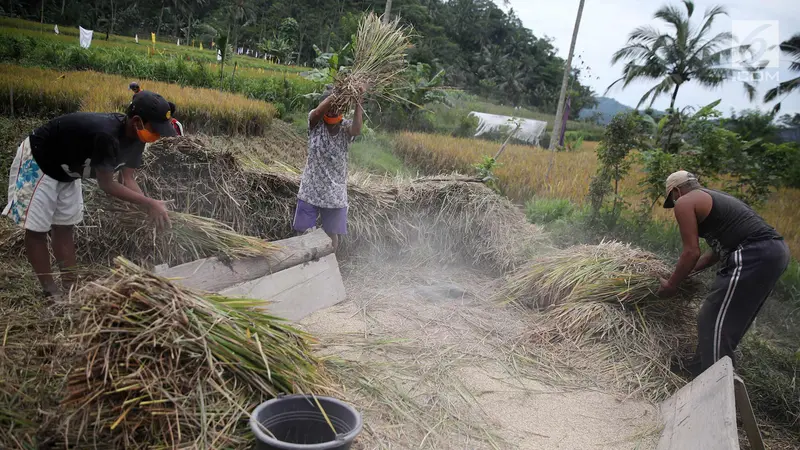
(749, 90)
(645, 34)
(723, 39)
(791, 46)
(632, 51)
(672, 15)
(786, 87)
(689, 7)
(656, 91)
(709, 16)
(713, 77)
(648, 71)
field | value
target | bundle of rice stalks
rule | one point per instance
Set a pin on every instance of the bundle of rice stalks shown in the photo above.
(189, 237)
(379, 59)
(166, 367)
(602, 300)
(608, 272)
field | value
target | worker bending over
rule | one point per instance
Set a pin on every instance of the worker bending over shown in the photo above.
(44, 188)
(753, 257)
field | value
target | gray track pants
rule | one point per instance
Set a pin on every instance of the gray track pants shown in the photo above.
(744, 281)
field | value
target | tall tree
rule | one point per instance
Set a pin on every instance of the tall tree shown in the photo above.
(557, 124)
(792, 49)
(683, 54)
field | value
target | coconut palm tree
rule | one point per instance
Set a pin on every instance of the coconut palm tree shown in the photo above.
(791, 48)
(685, 53)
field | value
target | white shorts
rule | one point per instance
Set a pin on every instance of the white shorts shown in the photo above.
(36, 201)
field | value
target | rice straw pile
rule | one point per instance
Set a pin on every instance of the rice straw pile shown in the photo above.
(602, 300)
(166, 367)
(192, 234)
(448, 218)
(379, 59)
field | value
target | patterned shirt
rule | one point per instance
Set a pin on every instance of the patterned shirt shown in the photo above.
(324, 180)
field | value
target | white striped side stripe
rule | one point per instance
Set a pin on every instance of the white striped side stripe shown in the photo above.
(737, 260)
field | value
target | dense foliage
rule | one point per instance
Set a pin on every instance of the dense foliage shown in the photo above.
(479, 46)
(742, 155)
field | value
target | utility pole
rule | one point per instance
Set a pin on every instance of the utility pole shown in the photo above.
(557, 124)
(387, 11)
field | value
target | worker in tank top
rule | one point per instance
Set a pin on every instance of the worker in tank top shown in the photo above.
(752, 257)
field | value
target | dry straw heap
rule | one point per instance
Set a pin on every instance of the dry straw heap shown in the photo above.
(163, 366)
(453, 218)
(600, 302)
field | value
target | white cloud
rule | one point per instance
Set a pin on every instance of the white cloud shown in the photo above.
(605, 27)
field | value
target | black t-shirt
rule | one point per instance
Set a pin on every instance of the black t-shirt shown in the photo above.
(74, 145)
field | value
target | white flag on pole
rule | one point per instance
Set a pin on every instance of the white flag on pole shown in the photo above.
(219, 55)
(55, 29)
(137, 38)
(86, 37)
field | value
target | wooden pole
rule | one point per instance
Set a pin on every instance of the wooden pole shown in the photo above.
(503, 147)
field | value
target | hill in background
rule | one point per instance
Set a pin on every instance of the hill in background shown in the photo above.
(606, 109)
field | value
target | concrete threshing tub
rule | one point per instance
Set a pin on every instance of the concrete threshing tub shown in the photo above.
(296, 423)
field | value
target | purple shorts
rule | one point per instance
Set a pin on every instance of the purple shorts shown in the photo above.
(334, 220)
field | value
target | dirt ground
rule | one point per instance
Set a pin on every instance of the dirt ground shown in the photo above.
(432, 362)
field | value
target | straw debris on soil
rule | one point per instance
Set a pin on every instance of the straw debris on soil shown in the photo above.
(164, 366)
(600, 301)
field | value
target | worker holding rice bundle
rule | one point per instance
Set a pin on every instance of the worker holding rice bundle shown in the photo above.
(323, 186)
(752, 254)
(44, 188)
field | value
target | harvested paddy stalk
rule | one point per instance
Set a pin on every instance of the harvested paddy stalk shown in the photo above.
(189, 234)
(379, 60)
(602, 298)
(166, 367)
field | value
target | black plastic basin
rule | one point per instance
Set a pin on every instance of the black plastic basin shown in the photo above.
(296, 423)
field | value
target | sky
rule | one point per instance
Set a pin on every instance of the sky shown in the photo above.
(605, 26)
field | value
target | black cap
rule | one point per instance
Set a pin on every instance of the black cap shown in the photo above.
(153, 109)
(134, 86)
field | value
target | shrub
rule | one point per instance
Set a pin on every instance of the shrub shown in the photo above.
(547, 210)
(466, 126)
(573, 140)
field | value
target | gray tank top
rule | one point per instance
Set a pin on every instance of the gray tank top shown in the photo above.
(732, 223)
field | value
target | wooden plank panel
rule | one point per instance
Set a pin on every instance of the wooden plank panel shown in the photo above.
(297, 291)
(702, 414)
(213, 275)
